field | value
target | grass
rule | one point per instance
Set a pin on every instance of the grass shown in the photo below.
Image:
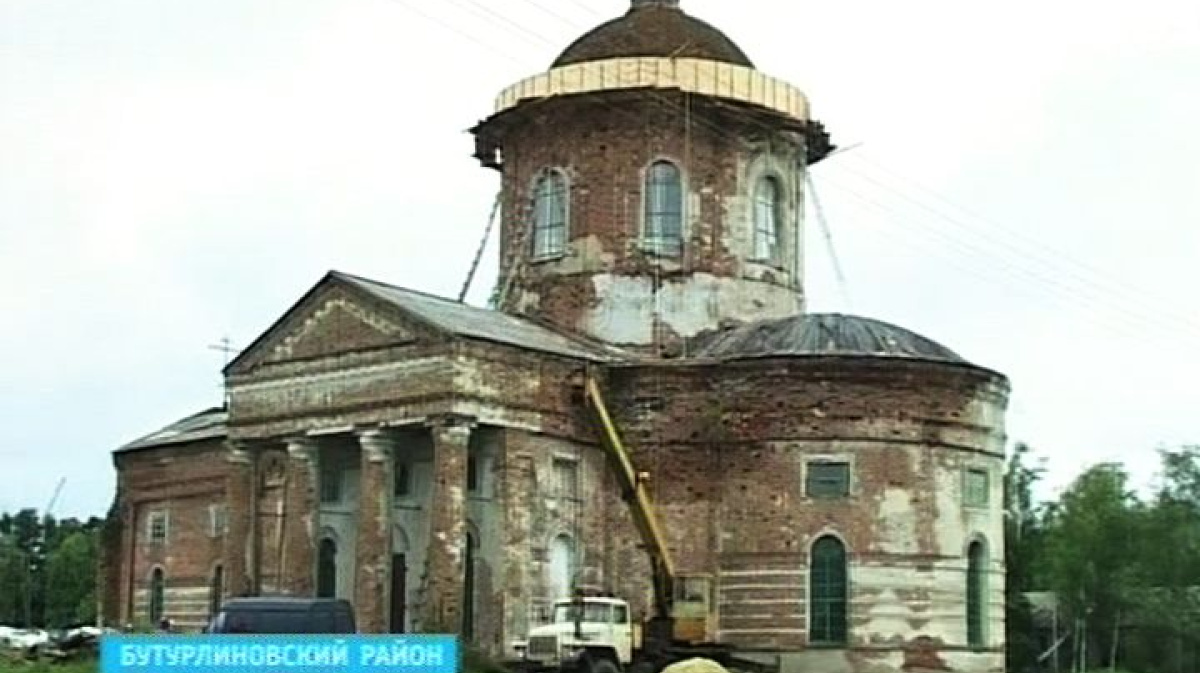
(20, 666)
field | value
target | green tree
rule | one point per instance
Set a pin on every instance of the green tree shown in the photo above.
(1092, 560)
(70, 573)
(1024, 536)
(14, 582)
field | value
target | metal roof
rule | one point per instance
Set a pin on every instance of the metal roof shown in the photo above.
(208, 424)
(822, 334)
(654, 29)
(472, 321)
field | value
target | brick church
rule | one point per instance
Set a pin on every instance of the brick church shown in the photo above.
(831, 485)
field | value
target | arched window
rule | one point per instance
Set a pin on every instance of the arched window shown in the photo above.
(827, 592)
(976, 593)
(327, 569)
(664, 209)
(550, 201)
(562, 566)
(215, 589)
(158, 591)
(766, 218)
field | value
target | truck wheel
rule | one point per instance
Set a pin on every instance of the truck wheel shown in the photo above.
(642, 667)
(604, 666)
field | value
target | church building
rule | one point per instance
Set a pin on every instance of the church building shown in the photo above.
(829, 486)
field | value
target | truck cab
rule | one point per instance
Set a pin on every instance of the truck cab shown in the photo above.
(591, 634)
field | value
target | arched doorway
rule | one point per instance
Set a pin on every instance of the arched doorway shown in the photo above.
(828, 592)
(158, 590)
(215, 590)
(562, 566)
(327, 568)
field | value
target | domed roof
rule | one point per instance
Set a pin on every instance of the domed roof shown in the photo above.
(822, 334)
(653, 28)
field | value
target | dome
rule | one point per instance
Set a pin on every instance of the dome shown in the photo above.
(653, 28)
(822, 334)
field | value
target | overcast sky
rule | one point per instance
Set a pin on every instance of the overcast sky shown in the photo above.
(1024, 190)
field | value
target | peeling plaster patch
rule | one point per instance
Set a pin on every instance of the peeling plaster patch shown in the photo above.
(888, 618)
(897, 529)
(627, 305)
(948, 528)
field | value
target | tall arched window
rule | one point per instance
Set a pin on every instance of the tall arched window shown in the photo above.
(664, 209)
(215, 589)
(327, 569)
(766, 218)
(976, 593)
(158, 590)
(828, 592)
(562, 566)
(550, 201)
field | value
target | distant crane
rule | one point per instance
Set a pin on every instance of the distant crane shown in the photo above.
(54, 498)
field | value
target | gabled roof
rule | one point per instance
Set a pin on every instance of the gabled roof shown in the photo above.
(208, 424)
(480, 323)
(446, 316)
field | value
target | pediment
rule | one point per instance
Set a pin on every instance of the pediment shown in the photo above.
(332, 320)
(338, 325)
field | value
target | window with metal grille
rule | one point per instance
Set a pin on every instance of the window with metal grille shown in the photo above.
(663, 233)
(827, 479)
(550, 203)
(157, 525)
(331, 484)
(975, 488)
(766, 219)
(828, 592)
(976, 586)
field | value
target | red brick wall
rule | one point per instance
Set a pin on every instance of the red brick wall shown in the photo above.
(604, 143)
(181, 481)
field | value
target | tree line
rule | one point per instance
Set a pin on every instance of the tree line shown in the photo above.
(1101, 577)
(48, 570)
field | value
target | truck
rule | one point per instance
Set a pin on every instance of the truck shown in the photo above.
(599, 634)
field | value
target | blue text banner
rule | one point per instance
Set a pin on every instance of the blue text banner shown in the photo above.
(246, 653)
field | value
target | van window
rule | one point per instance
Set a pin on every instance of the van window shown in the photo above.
(273, 621)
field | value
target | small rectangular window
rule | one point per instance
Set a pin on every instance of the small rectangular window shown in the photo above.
(975, 488)
(566, 478)
(218, 520)
(403, 480)
(828, 479)
(331, 485)
(472, 475)
(157, 525)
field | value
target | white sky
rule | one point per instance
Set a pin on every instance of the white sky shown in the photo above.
(172, 172)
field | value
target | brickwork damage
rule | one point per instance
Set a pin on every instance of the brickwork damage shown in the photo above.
(435, 463)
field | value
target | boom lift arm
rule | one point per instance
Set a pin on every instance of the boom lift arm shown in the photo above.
(638, 496)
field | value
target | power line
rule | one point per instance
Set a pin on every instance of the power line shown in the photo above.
(719, 132)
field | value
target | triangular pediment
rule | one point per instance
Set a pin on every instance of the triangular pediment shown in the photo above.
(334, 318)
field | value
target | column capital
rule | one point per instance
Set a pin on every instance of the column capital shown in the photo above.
(302, 447)
(238, 453)
(451, 421)
(377, 443)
